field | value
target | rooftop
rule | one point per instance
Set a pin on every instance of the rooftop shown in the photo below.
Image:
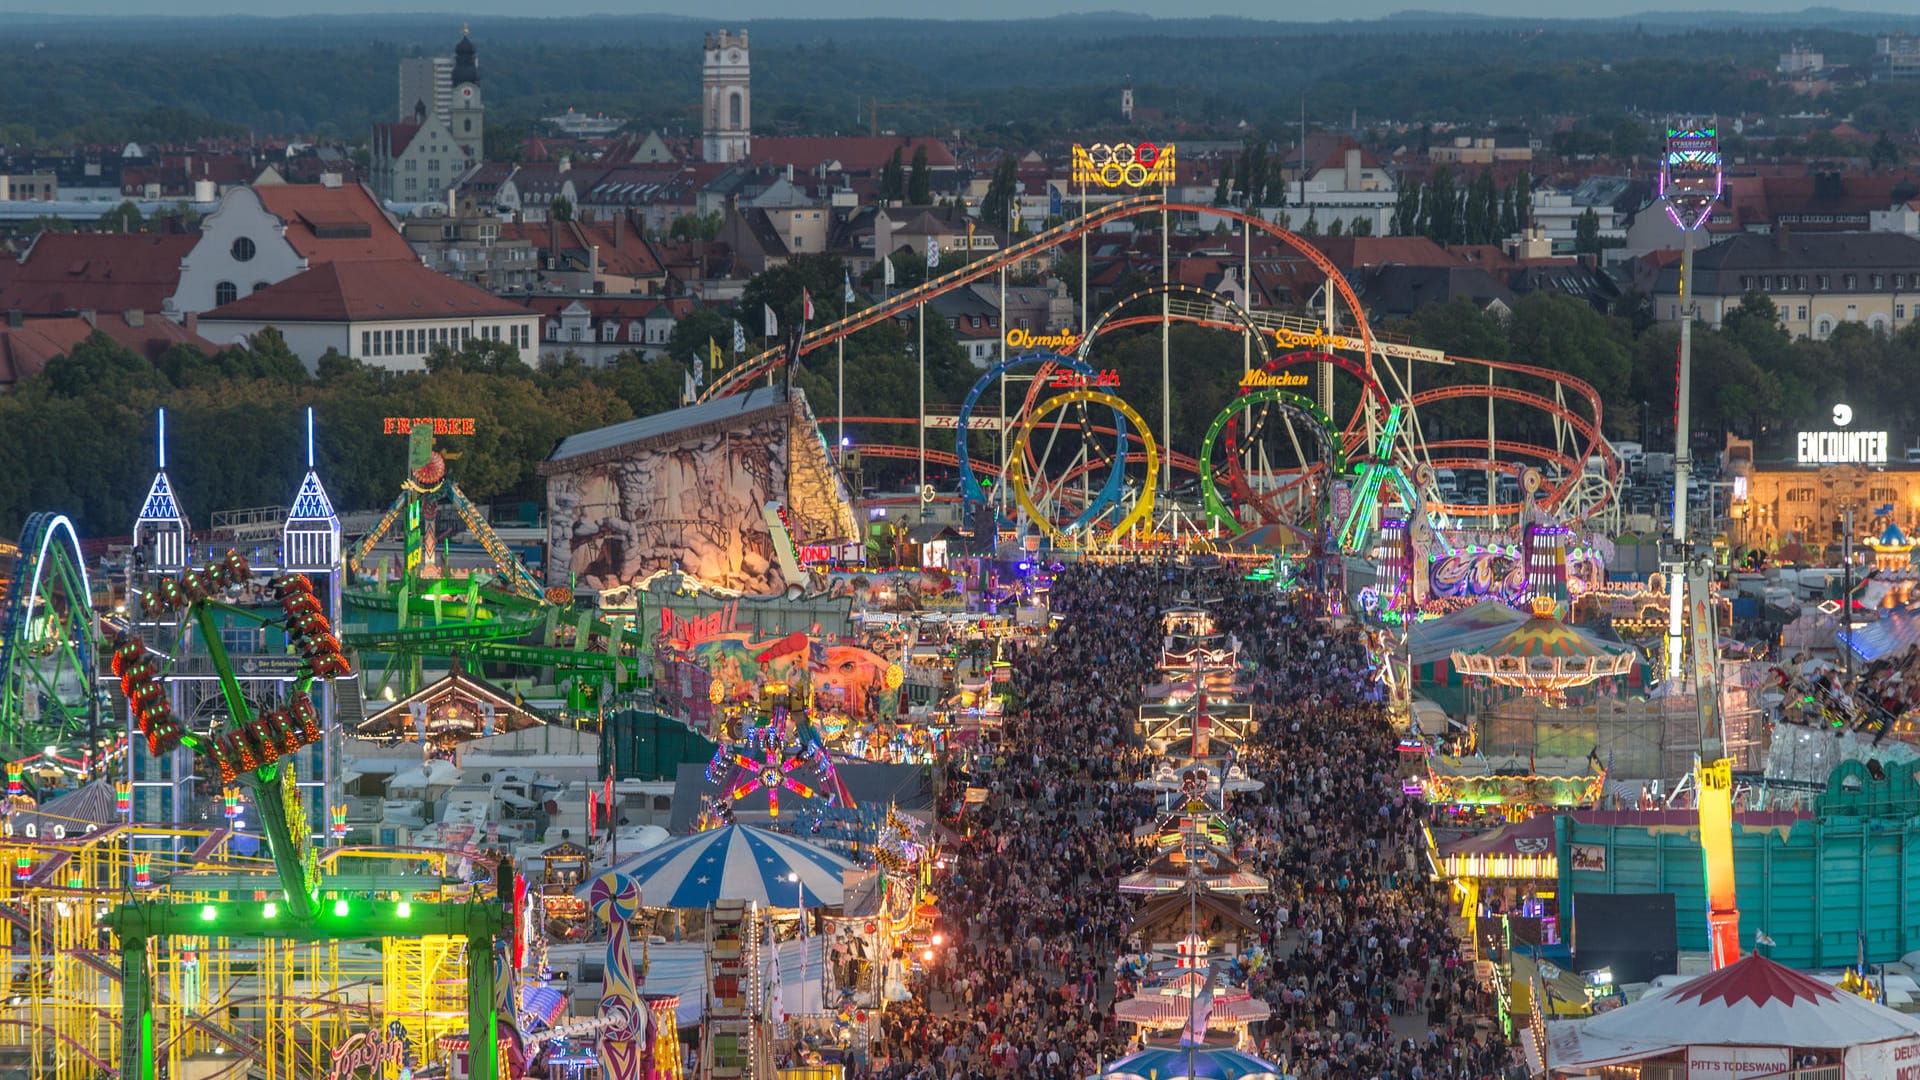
(365, 291)
(96, 271)
(334, 224)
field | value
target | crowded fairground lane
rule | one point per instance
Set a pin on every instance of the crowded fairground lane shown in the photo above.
(1344, 743)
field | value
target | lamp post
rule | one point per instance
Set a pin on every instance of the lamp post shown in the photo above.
(800, 903)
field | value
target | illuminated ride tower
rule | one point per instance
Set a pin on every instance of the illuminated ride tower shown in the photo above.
(1690, 184)
(166, 787)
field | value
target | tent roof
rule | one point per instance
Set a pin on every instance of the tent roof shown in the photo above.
(735, 862)
(1754, 1002)
(1470, 629)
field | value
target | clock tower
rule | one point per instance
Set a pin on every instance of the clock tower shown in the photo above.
(464, 118)
(728, 92)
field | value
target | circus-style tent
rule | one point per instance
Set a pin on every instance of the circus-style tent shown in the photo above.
(737, 862)
(1751, 1015)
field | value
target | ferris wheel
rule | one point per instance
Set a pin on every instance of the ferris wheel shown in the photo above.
(49, 700)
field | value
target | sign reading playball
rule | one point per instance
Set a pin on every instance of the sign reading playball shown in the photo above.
(1842, 447)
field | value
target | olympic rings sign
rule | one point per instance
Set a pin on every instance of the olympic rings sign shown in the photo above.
(1123, 165)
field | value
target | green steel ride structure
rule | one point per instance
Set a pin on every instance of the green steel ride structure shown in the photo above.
(250, 739)
(49, 703)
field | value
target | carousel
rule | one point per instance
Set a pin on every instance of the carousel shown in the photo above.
(1544, 657)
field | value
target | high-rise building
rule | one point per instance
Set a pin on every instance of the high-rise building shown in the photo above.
(727, 84)
(1896, 56)
(418, 158)
(426, 84)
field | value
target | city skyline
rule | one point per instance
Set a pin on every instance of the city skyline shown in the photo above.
(1265, 10)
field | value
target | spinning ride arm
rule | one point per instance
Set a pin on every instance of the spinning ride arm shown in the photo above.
(1715, 786)
(511, 568)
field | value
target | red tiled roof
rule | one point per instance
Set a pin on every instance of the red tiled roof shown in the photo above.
(1350, 252)
(394, 138)
(855, 153)
(365, 290)
(97, 272)
(334, 224)
(26, 349)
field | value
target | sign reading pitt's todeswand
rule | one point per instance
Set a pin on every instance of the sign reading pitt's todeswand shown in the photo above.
(1123, 165)
(1842, 447)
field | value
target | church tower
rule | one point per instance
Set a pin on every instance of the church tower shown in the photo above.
(464, 118)
(728, 107)
(1126, 100)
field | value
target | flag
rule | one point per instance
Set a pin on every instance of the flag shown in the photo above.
(700, 365)
(739, 337)
(887, 261)
(847, 281)
(969, 239)
(1053, 201)
(773, 324)
(1201, 1012)
(687, 392)
(606, 799)
(933, 253)
(806, 307)
(1760, 938)
(793, 354)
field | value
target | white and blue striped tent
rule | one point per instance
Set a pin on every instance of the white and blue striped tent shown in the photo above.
(735, 862)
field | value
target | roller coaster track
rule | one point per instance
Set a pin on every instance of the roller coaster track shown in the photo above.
(1213, 315)
(743, 375)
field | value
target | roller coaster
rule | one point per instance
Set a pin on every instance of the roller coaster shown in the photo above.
(1248, 488)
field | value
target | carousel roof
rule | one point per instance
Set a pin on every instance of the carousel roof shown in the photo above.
(1197, 1062)
(1754, 1002)
(736, 862)
(456, 704)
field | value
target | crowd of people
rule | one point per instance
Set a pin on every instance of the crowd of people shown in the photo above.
(1365, 981)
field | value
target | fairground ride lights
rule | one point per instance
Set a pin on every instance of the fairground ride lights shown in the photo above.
(1843, 448)
(1126, 165)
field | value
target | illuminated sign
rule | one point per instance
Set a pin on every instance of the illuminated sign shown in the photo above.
(1690, 179)
(373, 1050)
(684, 631)
(1843, 448)
(1074, 380)
(1122, 165)
(1260, 380)
(441, 425)
(1313, 339)
(1061, 341)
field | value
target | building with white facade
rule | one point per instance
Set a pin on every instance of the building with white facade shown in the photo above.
(388, 314)
(727, 98)
(418, 158)
(261, 235)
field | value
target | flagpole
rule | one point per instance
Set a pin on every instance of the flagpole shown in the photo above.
(920, 492)
(840, 399)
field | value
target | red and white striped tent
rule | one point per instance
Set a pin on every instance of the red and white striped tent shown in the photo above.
(1745, 1018)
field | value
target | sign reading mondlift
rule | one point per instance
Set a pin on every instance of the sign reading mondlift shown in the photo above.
(1843, 447)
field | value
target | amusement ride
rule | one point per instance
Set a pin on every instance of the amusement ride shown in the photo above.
(245, 670)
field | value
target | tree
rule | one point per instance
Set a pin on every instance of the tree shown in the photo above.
(1362, 226)
(1441, 207)
(125, 218)
(1311, 227)
(481, 356)
(1406, 209)
(1251, 174)
(561, 208)
(1522, 202)
(1336, 227)
(1509, 219)
(893, 179)
(696, 226)
(701, 325)
(920, 181)
(996, 206)
(1222, 191)
(1885, 153)
(1586, 232)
